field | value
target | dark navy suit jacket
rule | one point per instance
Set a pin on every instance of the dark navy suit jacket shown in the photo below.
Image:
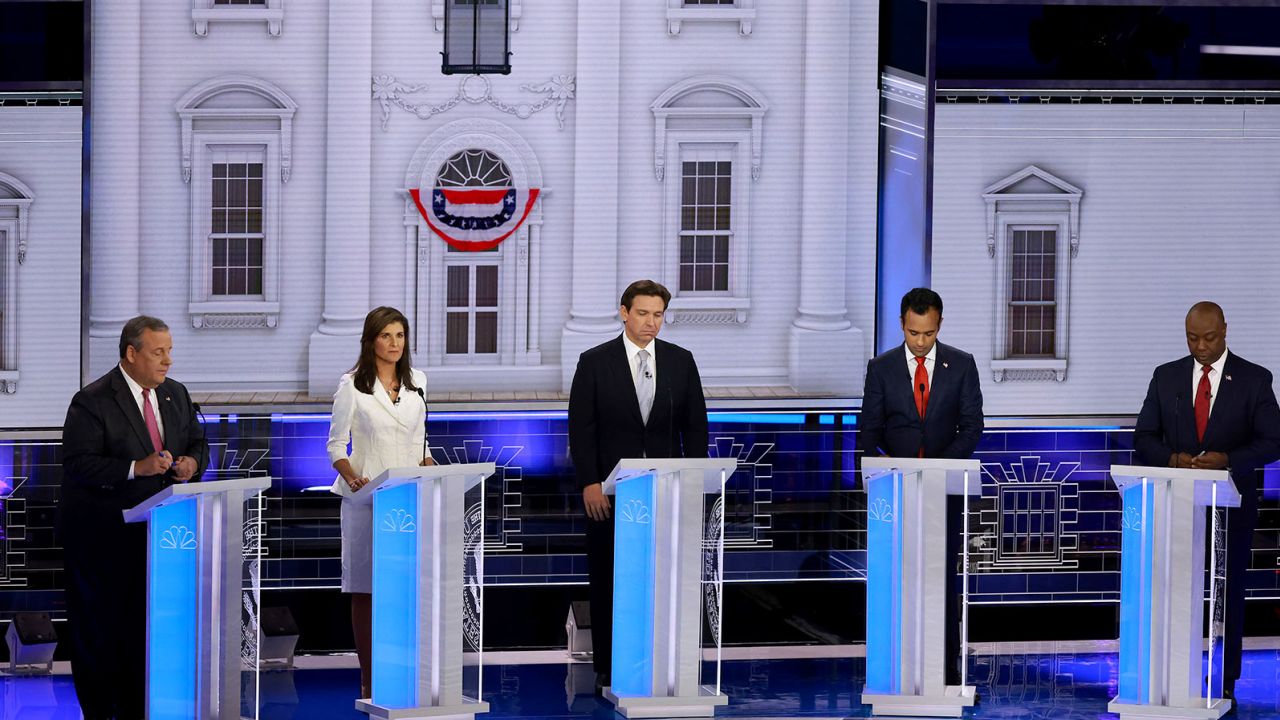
(605, 424)
(889, 423)
(1244, 423)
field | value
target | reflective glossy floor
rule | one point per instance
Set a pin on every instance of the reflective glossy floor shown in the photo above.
(1058, 686)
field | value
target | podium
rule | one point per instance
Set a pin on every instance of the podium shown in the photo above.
(195, 572)
(1162, 569)
(665, 563)
(424, 605)
(906, 585)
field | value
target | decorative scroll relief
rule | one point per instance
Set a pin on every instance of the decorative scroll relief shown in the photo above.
(711, 569)
(472, 554)
(475, 90)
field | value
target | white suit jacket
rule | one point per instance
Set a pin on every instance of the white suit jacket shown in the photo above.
(382, 434)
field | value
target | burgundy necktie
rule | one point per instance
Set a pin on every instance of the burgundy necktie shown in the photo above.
(149, 418)
(1202, 403)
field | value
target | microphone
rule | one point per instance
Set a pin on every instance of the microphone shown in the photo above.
(648, 374)
(423, 395)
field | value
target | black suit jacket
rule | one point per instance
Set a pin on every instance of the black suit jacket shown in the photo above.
(104, 433)
(1244, 423)
(604, 414)
(889, 423)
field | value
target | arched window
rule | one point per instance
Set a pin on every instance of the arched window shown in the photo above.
(15, 200)
(474, 311)
(236, 156)
(707, 151)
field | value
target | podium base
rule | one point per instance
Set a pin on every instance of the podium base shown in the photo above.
(665, 706)
(1134, 711)
(441, 712)
(950, 703)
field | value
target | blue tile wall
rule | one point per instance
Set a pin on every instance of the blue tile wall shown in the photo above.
(794, 507)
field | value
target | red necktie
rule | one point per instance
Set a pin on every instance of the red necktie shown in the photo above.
(1202, 403)
(921, 389)
(149, 419)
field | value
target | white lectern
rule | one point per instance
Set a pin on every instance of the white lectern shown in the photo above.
(1162, 568)
(423, 536)
(907, 588)
(664, 563)
(195, 574)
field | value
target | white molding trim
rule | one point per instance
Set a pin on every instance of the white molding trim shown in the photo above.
(1056, 207)
(743, 101)
(742, 12)
(437, 14)
(191, 110)
(204, 12)
(21, 202)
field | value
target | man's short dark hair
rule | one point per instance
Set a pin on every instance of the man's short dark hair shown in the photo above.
(919, 300)
(131, 335)
(645, 287)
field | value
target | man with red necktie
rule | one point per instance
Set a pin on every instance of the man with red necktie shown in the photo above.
(923, 399)
(128, 434)
(1214, 410)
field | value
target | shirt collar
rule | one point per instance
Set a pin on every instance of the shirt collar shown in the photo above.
(1217, 364)
(134, 387)
(931, 357)
(633, 349)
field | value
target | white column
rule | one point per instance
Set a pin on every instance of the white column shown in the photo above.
(593, 316)
(115, 177)
(348, 158)
(826, 350)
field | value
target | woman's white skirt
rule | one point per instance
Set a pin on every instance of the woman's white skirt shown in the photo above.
(357, 547)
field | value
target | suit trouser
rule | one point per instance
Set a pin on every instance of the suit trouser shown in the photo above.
(954, 547)
(105, 582)
(1240, 525)
(600, 592)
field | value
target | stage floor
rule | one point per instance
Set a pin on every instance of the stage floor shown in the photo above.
(1017, 681)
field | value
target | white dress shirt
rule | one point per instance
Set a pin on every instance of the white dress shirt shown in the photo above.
(928, 364)
(633, 357)
(136, 389)
(1215, 379)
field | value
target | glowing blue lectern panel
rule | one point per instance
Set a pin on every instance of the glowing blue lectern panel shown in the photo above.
(633, 583)
(884, 584)
(172, 608)
(395, 592)
(1135, 594)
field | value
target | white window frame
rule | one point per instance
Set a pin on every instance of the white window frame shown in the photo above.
(15, 203)
(204, 12)
(515, 6)
(736, 121)
(709, 306)
(204, 130)
(741, 12)
(1057, 208)
(473, 260)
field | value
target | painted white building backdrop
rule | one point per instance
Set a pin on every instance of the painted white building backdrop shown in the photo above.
(1070, 240)
(40, 167)
(253, 166)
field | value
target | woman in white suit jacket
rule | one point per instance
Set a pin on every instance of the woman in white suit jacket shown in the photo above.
(380, 407)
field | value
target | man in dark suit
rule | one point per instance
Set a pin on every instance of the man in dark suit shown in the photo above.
(923, 399)
(1214, 410)
(634, 396)
(119, 444)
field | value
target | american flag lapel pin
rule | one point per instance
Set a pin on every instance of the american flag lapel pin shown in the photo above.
(1227, 377)
(945, 365)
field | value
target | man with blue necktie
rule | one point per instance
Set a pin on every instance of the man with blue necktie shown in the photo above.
(1214, 410)
(923, 399)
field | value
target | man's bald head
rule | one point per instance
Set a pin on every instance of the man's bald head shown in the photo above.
(1206, 332)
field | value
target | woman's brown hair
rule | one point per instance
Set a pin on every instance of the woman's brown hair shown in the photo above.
(366, 369)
